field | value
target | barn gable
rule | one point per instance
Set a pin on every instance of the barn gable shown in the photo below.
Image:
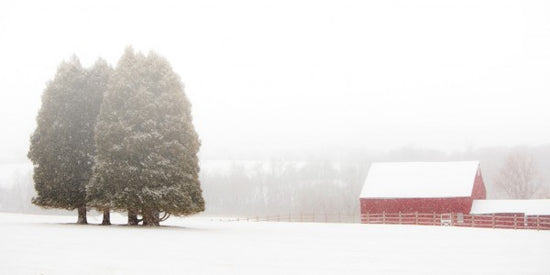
(422, 180)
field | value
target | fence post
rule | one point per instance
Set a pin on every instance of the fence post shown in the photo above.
(383, 217)
(538, 219)
(399, 215)
(367, 217)
(433, 219)
(493, 220)
(452, 220)
(416, 218)
(515, 221)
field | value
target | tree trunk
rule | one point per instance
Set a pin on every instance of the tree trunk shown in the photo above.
(106, 216)
(147, 218)
(156, 217)
(82, 215)
(132, 217)
(151, 217)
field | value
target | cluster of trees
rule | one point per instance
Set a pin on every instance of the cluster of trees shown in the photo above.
(117, 139)
(16, 193)
(519, 177)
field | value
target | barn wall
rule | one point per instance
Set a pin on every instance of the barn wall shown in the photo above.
(421, 205)
(478, 192)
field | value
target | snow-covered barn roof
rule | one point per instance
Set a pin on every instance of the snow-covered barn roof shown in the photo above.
(528, 207)
(420, 179)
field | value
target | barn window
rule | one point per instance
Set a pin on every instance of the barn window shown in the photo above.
(460, 218)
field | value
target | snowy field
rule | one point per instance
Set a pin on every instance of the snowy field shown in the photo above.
(202, 245)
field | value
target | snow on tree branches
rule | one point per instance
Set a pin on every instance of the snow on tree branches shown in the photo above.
(62, 146)
(519, 176)
(146, 143)
(118, 139)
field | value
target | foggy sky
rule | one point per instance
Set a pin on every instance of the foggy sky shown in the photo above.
(446, 75)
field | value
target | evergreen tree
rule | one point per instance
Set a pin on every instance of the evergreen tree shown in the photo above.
(98, 78)
(62, 146)
(147, 146)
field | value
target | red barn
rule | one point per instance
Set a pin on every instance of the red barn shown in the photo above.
(422, 187)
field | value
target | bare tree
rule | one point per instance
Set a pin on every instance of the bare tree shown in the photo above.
(519, 176)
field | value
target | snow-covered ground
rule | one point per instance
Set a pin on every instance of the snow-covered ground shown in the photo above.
(202, 245)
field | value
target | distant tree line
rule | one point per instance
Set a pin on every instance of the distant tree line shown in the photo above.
(117, 139)
(282, 188)
(320, 186)
(331, 187)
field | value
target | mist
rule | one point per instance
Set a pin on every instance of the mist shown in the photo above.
(243, 131)
(298, 76)
(326, 184)
(311, 86)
